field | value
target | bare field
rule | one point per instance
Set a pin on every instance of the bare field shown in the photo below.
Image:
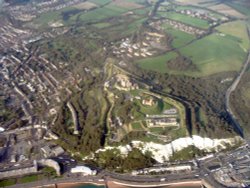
(85, 6)
(225, 9)
(126, 4)
(194, 2)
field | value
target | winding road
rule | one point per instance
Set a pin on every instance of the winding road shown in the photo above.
(234, 85)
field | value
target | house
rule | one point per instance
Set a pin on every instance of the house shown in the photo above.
(58, 150)
(46, 151)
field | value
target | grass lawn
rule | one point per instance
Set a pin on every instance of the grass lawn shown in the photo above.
(101, 13)
(215, 54)
(104, 12)
(134, 26)
(102, 25)
(237, 29)
(156, 130)
(9, 182)
(137, 126)
(180, 38)
(31, 178)
(186, 19)
(158, 63)
(142, 11)
(151, 138)
(98, 2)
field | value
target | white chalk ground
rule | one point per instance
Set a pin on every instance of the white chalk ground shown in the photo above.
(165, 151)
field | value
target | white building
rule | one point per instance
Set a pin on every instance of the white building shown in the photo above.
(2, 129)
(86, 171)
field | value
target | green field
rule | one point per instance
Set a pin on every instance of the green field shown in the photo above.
(180, 38)
(103, 13)
(102, 25)
(215, 54)
(212, 54)
(137, 126)
(158, 63)
(196, 22)
(100, 14)
(98, 2)
(8, 182)
(156, 130)
(106, 10)
(236, 29)
(31, 178)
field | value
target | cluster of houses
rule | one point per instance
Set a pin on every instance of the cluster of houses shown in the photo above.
(162, 122)
(27, 82)
(236, 173)
(10, 35)
(52, 151)
(144, 48)
(30, 78)
(125, 83)
(179, 26)
(167, 118)
(27, 12)
(204, 15)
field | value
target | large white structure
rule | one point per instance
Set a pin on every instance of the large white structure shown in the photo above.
(86, 171)
(2, 129)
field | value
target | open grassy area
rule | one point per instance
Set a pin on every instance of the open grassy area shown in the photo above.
(209, 54)
(70, 15)
(215, 54)
(30, 178)
(196, 22)
(180, 38)
(105, 12)
(156, 130)
(98, 2)
(100, 13)
(8, 182)
(237, 29)
(102, 25)
(158, 63)
(137, 126)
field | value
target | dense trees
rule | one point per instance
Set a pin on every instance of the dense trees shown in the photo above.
(240, 100)
(114, 160)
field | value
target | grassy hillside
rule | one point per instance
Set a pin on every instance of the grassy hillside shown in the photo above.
(237, 29)
(215, 54)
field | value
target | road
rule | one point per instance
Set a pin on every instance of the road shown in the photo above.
(229, 92)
